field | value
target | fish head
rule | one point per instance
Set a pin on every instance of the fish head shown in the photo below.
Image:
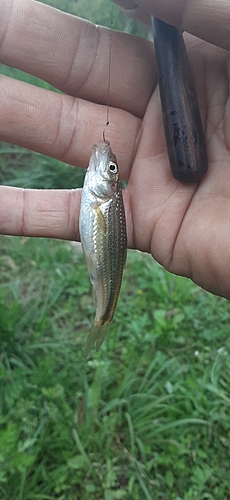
(102, 171)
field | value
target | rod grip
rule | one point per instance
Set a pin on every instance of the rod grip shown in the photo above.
(181, 116)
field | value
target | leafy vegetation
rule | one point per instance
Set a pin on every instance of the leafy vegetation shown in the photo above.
(148, 416)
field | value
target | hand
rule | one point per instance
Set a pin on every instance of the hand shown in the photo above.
(185, 227)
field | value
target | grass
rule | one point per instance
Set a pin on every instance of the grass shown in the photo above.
(148, 416)
(22, 168)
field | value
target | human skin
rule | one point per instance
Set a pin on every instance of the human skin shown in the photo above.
(185, 227)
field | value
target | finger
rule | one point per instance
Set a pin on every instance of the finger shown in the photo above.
(73, 55)
(206, 19)
(42, 213)
(32, 212)
(60, 126)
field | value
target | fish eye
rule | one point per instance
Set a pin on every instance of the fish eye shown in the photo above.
(113, 167)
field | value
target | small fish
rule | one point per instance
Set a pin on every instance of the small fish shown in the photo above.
(103, 237)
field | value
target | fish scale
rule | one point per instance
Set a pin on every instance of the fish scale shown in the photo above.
(103, 237)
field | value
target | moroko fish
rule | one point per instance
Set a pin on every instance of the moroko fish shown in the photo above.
(103, 237)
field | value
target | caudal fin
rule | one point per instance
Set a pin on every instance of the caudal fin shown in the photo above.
(96, 336)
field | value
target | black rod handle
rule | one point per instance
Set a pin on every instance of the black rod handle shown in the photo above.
(181, 116)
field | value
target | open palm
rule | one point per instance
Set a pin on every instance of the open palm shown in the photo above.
(185, 227)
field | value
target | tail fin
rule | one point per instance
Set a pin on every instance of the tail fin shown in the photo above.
(96, 336)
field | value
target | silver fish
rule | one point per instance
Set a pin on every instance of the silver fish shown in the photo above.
(103, 237)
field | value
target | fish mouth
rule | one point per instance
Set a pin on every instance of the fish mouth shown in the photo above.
(102, 147)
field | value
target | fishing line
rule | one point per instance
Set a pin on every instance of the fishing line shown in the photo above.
(109, 71)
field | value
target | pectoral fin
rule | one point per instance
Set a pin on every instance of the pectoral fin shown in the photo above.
(100, 218)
